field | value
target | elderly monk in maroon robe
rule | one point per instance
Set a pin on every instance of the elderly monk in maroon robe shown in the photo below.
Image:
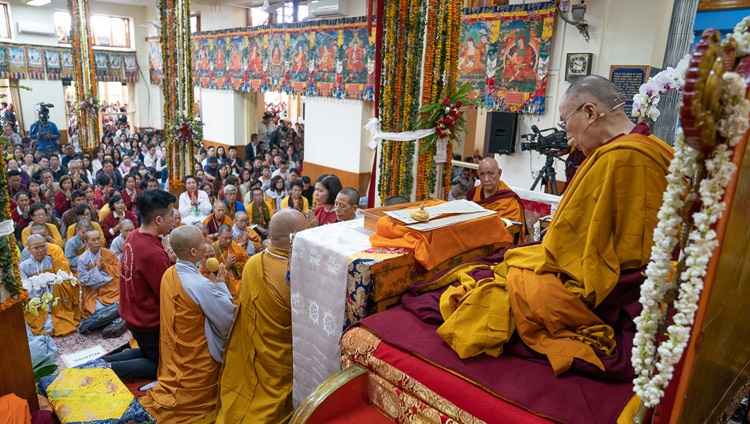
(495, 195)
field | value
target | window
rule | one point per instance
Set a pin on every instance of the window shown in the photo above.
(4, 21)
(195, 23)
(106, 31)
(285, 14)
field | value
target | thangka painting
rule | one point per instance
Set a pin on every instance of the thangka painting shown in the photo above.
(4, 64)
(324, 58)
(155, 70)
(53, 64)
(237, 59)
(101, 65)
(67, 64)
(17, 62)
(504, 53)
(115, 67)
(35, 63)
(131, 67)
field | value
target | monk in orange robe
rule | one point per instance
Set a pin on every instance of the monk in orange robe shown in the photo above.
(66, 314)
(256, 377)
(217, 218)
(495, 195)
(603, 226)
(52, 249)
(210, 253)
(232, 256)
(195, 324)
(99, 274)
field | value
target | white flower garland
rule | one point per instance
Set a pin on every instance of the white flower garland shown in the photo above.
(741, 36)
(652, 374)
(644, 103)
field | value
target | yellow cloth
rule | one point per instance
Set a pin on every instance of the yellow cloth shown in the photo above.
(234, 273)
(51, 230)
(14, 410)
(303, 200)
(604, 224)
(90, 394)
(108, 293)
(71, 231)
(188, 376)
(432, 248)
(507, 207)
(256, 377)
(104, 211)
(67, 313)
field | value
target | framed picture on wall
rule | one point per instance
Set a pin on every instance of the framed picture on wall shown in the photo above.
(578, 65)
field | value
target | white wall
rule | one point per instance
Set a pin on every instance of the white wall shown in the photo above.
(630, 32)
(334, 135)
(147, 98)
(223, 115)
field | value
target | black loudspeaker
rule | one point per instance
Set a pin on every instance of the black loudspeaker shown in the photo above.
(500, 133)
(66, 82)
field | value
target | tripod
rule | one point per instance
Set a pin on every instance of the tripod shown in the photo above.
(547, 176)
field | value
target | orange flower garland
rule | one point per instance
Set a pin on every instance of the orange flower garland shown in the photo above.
(85, 76)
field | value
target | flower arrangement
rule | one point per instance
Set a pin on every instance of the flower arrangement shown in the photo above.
(685, 220)
(89, 106)
(741, 36)
(186, 132)
(42, 283)
(645, 102)
(446, 116)
(9, 255)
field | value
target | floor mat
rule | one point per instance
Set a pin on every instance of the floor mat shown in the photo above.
(76, 341)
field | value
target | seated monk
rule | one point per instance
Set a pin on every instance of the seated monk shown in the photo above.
(210, 253)
(217, 218)
(83, 212)
(66, 315)
(38, 214)
(99, 274)
(75, 246)
(232, 256)
(195, 324)
(548, 292)
(495, 195)
(256, 377)
(52, 249)
(243, 235)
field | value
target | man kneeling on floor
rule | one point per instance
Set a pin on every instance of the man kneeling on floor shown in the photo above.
(196, 316)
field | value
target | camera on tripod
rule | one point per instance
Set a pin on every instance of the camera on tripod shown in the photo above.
(551, 144)
(42, 110)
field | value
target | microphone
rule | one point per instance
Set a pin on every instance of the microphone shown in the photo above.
(212, 264)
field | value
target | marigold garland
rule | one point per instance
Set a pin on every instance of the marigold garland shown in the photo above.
(85, 76)
(9, 256)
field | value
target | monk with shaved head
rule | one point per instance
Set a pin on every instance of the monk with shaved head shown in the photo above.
(195, 322)
(256, 379)
(495, 195)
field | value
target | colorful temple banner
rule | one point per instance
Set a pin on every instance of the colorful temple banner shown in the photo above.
(20, 61)
(333, 58)
(504, 52)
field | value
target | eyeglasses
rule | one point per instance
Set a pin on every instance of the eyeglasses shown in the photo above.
(564, 123)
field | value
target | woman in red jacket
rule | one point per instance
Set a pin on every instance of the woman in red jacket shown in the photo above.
(129, 193)
(111, 222)
(62, 197)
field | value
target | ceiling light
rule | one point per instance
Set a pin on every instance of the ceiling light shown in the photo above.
(38, 2)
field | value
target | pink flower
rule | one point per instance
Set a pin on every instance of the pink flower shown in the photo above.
(447, 101)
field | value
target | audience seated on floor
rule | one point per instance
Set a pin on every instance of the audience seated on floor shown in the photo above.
(99, 275)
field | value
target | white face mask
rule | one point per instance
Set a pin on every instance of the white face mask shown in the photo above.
(143, 172)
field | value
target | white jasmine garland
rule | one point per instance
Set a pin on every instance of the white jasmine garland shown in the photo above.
(741, 36)
(653, 372)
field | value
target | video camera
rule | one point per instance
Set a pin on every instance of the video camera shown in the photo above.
(42, 110)
(550, 144)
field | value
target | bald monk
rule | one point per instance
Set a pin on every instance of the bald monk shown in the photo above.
(495, 195)
(603, 227)
(217, 218)
(195, 325)
(99, 274)
(231, 255)
(244, 235)
(210, 253)
(76, 245)
(61, 319)
(256, 377)
(52, 249)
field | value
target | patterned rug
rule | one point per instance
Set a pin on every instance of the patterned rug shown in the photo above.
(77, 341)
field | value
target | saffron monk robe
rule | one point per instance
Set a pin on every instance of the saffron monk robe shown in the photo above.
(256, 377)
(232, 256)
(195, 325)
(495, 195)
(99, 274)
(217, 218)
(52, 249)
(604, 226)
(66, 314)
